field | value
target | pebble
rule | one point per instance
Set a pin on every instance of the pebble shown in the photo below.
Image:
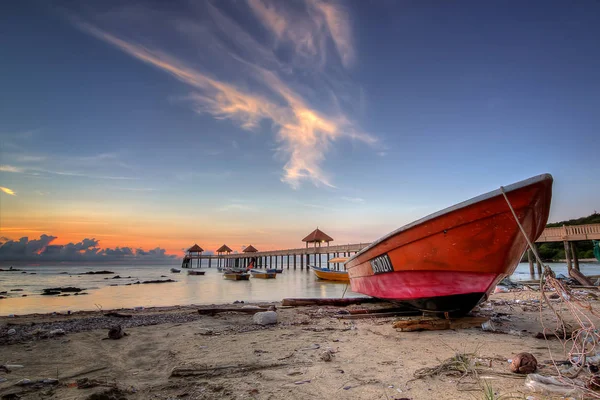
(12, 332)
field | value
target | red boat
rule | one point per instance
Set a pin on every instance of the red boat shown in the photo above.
(449, 261)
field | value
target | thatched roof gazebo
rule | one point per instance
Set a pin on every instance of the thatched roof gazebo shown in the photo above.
(250, 249)
(195, 249)
(224, 249)
(317, 236)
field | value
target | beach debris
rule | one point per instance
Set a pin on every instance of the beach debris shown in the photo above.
(203, 370)
(410, 324)
(302, 382)
(238, 302)
(549, 385)
(56, 332)
(501, 289)
(327, 355)
(523, 363)
(214, 311)
(3, 379)
(328, 302)
(11, 332)
(29, 382)
(116, 332)
(461, 365)
(593, 383)
(488, 326)
(265, 318)
(87, 383)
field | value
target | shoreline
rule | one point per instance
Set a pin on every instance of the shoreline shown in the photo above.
(309, 353)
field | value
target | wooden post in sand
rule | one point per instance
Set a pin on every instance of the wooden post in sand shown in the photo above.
(574, 255)
(531, 270)
(537, 262)
(568, 256)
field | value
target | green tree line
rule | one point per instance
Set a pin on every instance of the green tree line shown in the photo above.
(556, 250)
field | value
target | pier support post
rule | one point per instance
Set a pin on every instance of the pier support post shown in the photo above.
(209, 260)
(301, 262)
(295, 261)
(288, 264)
(270, 261)
(574, 256)
(568, 256)
(531, 270)
(538, 264)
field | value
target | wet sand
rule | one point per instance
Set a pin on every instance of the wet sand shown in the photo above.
(189, 356)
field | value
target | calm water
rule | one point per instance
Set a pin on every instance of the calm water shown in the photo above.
(208, 289)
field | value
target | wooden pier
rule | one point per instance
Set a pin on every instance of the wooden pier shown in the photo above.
(318, 255)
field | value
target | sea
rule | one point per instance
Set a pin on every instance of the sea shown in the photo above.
(104, 292)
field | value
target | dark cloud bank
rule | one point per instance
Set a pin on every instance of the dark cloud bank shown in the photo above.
(41, 250)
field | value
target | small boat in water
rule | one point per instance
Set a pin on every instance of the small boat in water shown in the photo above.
(195, 272)
(263, 274)
(330, 274)
(451, 260)
(275, 270)
(175, 270)
(236, 276)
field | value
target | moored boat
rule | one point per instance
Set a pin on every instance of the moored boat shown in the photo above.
(275, 270)
(263, 274)
(195, 272)
(175, 270)
(330, 274)
(451, 260)
(236, 276)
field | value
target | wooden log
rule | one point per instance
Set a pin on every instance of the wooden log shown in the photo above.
(228, 370)
(579, 277)
(437, 324)
(328, 302)
(377, 315)
(213, 311)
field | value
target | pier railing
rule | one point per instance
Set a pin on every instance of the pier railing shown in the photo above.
(570, 233)
(344, 248)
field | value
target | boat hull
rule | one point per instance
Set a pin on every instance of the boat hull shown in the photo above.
(236, 276)
(450, 261)
(191, 272)
(329, 275)
(264, 275)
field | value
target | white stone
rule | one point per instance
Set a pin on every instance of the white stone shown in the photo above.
(12, 331)
(265, 318)
(56, 332)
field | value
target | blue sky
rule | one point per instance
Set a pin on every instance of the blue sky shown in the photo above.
(161, 124)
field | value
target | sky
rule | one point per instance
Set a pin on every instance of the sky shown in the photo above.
(150, 126)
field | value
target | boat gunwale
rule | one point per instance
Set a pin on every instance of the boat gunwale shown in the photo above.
(455, 207)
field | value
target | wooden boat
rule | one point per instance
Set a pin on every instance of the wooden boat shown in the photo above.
(195, 272)
(451, 260)
(263, 274)
(275, 270)
(330, 274)
(175, 270)
(236, 276)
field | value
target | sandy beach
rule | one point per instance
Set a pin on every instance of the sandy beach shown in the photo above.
(174, 352)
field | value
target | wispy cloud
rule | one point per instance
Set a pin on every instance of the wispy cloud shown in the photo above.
(11, 168)
(7, 190)
(237, 207)
(305, 133)
(353, 199)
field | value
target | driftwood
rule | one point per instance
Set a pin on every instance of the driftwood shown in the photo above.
(581, 278)
(328, 302)
(208, 371)
(213, 311)
(376, 315)
(437, 324)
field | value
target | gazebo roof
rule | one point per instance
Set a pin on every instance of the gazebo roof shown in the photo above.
(317, 236)
(250, 249)
(195, 249)
(224, 249)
